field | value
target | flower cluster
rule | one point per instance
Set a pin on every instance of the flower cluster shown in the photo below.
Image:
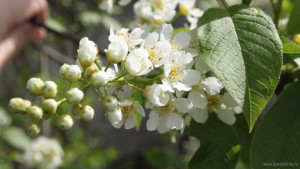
(161, 68)
(44, 153)
(154, 13)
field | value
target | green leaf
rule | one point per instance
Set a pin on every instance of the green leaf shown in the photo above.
(56, 25)
(293, 26)
(5, 119)
(219, 145)
(243, 49)
(16, 137)
(291, 50)
(277, 138)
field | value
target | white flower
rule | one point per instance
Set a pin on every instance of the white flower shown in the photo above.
(99, 78)
(34, 86)
(157, 95)
(297, 61)
(117, 51)
(74, 96)
(72, 73)
(35, 112)
(212, 85)
(137, 62)
(123, 92)
(132, 39)
(87, 52)
(129, 117)
(107, 5)
(187, 8)
(65, 122)
(176, 76)
(44, 153)
(49, 90)
(164, 118)
(87, 113)
(158, 50)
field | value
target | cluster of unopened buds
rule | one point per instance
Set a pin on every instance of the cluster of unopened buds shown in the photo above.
(157, 71)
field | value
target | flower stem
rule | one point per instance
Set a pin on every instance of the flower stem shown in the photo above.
(98, 64)
(61, 101)
(223, 3)
(117, 78)
(97, 92)
(133, 86)
(107, 66)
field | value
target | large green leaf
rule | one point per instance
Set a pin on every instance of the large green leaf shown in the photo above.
(293, 26)
(277, 139)
(219, 145)
(243, 49)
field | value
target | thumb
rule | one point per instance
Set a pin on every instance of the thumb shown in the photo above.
(17, 38)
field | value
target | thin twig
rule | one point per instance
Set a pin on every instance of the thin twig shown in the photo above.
(54, 54)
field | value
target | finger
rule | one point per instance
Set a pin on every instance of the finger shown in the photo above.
(23, 10)
(18, 38)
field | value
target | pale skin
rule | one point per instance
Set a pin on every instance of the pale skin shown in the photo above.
(15, 29)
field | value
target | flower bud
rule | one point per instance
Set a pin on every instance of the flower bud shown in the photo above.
(74, 96)
(62, 70)
(99, 78)
(32, 129)
(76, 110)
(110, 103)
(87, 52)
(35, 112)
(116, 51)
(87, 113)
(65, 122)
(18, 105)
(49, 107)
(115, 115)
(49, 90)
(34, 86)
(92, 69)
(73, 73)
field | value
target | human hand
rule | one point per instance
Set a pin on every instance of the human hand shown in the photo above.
(16, 31)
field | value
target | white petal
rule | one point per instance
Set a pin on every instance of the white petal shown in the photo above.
(226, 116)
(139, 108)
(198, 99)
(175, 121)
(196, 12)
(167, 86)
(192, 77)
(182, 105)
(153, 121)
(200, 115)
(151, 40)
(212, 85)
(130, 122)
(228, 100)
(118, 124)
(181, 86)
(124, 2)
(166, 32)
(183, 38)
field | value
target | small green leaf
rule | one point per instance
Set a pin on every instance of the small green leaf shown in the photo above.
(219, 145)
(243, 49)
(16, 137)
(293, 26)
(277, 138)
(56, 25)
(5, 119)
(291, 50)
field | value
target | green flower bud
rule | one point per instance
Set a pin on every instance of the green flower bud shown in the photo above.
(62, 70)
(74, 96)
(87, 113)
(76, 110)
(34, 86)
(92, 69)
(18, 105)
(73, 73)
(99, 78)
(49, 107)
(49, 90)
(32, 129)
(35, 112)
(110, 103)
(65, 122)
